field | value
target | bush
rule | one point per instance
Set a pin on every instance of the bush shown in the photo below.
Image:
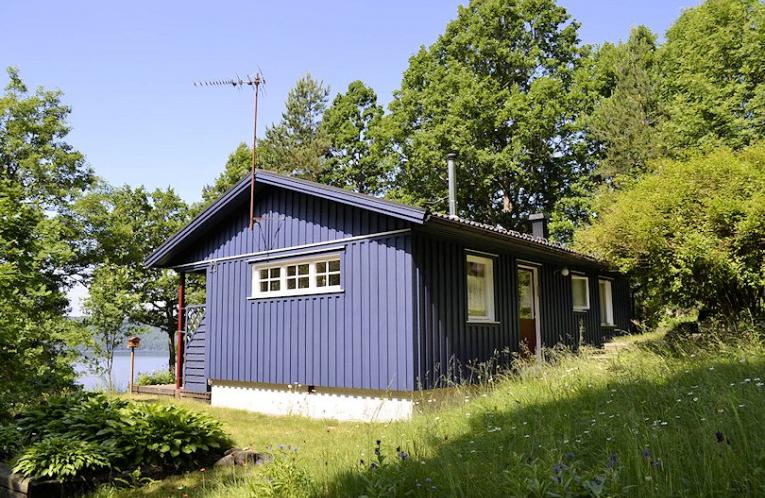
(10, 442)
(62, 457)
(689, 234)
(166, 436)
(156, 378)
(129, 435)
(80, 415)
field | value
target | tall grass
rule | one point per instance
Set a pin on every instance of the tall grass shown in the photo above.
(651, 420)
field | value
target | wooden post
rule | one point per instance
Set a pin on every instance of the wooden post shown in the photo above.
(133, 343)
(179, 338)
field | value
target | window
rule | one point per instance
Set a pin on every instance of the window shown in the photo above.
(606, 303)
(297, 277)
(480, 289)
(580, 290)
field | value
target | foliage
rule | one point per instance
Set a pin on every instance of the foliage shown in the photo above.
(39, 176)
(10, 442)
(79, 415)
(500, 88)
(238, 164)
(156, 378)
(110, 304)
(128, 434)
(282, 478)
(62, 458)
(713, 76)
(655, 420)
(297, 145)
(166, 436)
(690, 234)
(121, 227)
(355, 159)
(624, 122)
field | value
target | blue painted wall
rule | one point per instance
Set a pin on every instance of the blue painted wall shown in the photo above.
(446, 343)
(358, 338)
(195, 361)
(400, 322)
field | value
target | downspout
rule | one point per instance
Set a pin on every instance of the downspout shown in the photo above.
(179, 337)
(450, 157)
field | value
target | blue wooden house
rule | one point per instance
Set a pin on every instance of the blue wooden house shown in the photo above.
(341, 305)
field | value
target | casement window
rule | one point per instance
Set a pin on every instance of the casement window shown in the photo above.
(606, 303)
(480, 288)
(297, 277)
(580, 291)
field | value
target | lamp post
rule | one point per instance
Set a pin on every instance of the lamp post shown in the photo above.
(133, 343)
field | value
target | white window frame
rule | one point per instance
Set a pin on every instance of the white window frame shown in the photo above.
(489, 263)
(283, 291)
(608, 320)
(586, 279)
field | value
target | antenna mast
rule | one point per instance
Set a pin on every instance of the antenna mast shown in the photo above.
(253, 82)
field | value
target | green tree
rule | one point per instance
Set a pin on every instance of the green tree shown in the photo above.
(355, 159)
(713, 84)
(624, 122)
(122, 227)
(690, 234)
(499, 88)
(239, 163)
(110, 305)
(296, 145)
(40, 173)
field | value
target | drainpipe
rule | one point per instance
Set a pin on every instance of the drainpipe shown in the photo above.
(179, 337)
(452, 184)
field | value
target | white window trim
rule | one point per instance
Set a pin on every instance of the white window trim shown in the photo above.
(489, 262)
(586, 279)
(608, 320)
(312, 289)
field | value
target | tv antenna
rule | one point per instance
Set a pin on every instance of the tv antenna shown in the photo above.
(253, 82)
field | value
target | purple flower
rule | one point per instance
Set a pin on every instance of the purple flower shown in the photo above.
(720, 437)
(646, 453)
(613, 461)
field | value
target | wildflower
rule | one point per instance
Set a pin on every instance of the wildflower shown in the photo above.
(569, 455)
(720, 437)
(646, 453)
(613, 461)
(695, 399)
(203, 470)
(657, 464)
(559, 467)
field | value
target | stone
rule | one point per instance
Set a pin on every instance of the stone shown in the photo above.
(241, 457)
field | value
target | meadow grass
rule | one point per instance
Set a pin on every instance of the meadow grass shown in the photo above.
(649, 420)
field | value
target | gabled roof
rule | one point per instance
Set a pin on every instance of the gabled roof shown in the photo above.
(239, 193)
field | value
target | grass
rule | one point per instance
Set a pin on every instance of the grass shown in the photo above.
(648, 421)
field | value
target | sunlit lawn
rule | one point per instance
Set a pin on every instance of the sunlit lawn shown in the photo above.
(643, 422)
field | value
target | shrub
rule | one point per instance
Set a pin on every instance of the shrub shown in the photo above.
(62, 458)
(78, 415)
(283, 478)
(166, 436)
(156, 378)
(690, 234)
(10, 442)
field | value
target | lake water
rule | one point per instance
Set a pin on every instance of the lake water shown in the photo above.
(145, 362)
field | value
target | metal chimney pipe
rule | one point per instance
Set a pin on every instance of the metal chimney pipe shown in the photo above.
(452, 184)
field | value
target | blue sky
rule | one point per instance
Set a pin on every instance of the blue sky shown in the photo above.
(127, 68)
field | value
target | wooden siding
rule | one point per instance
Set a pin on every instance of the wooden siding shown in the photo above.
(288, 219)
(194, 367)
(358, 338)
(445, 343)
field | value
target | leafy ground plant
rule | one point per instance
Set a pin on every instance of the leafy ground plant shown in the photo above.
(156, 378)
(61, 457)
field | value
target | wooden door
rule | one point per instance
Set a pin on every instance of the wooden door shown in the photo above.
(527, 308)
